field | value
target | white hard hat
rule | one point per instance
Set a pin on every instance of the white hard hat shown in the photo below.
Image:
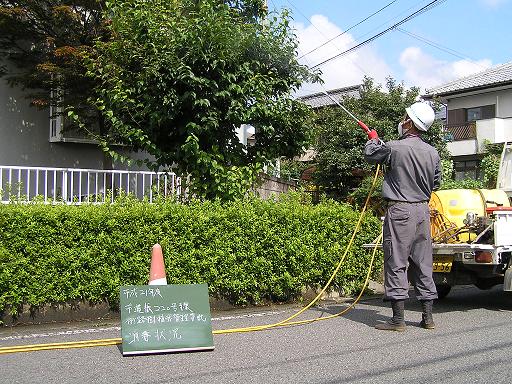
(422, 115)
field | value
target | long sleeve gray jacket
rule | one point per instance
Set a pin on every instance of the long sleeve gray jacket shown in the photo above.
(412, 168)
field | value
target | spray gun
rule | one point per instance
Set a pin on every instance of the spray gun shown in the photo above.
(372, 133)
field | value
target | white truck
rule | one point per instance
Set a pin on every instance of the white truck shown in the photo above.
(472, 233)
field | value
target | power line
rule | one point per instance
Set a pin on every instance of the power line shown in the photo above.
(426, 8)
(397, 17)
(321, 33)
(450, 51)
(342, 33)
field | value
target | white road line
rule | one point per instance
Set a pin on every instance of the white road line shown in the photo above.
(61, 333)
(109, 329)
(249, 315)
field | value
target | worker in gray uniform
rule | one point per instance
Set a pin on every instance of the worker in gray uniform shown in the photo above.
(412, 171)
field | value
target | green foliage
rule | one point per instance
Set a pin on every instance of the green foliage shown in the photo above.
(447, 170)
(490, 164)
(45, 39)
(246, 251)
(376, 203)
(291, 169)
(462, 184)
(178, 78)
(340, 142)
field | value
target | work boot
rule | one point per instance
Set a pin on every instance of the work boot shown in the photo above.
(427, 320)
(396, 323)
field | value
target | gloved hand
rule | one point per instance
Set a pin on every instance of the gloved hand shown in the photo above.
(372, 133)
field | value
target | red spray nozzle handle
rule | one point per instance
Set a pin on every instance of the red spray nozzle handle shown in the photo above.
(363, 125)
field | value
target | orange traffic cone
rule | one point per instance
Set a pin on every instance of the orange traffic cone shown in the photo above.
(157, 271)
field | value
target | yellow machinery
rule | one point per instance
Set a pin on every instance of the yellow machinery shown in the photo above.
(472, 238)
(456, 215)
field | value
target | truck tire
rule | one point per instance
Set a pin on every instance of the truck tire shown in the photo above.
(443, 290)
(485, 284)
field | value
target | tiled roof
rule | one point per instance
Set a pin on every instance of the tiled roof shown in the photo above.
(495, 76)
(320, 99)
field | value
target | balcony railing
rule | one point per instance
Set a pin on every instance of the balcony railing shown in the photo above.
(77, 186)
(456, 132)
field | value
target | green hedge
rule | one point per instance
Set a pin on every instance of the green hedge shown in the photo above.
(248, 251)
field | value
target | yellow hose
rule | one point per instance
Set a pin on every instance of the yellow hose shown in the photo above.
(285, 322)
(368, 274)
(67, 345)
(347, 249)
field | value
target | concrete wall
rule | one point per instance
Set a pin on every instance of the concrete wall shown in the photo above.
(504, 107)
(472, 101)
(273, 186)
(462, 147)
(493, 130)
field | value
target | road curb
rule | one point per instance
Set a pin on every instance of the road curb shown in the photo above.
(84, 311)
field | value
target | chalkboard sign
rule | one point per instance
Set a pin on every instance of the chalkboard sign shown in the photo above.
(165, 318)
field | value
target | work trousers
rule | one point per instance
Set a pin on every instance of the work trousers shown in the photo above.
(407, 248)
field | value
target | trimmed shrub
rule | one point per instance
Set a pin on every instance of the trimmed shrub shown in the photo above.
(246, 251)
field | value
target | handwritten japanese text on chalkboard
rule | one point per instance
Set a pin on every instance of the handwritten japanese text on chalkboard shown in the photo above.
(165, 318)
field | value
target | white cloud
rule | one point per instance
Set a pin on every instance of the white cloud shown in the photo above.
(493, 3)
(341, 72)
(419, 68)
(424, 71)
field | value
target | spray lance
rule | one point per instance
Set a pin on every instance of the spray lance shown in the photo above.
(372, 133)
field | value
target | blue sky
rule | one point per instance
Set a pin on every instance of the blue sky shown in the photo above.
(477, 34)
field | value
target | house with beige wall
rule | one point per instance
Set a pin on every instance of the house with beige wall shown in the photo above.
(478, 110)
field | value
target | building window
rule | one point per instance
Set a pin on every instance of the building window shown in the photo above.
(61, 129)
(55, 117)
(469, 169)
(473, 114)
(479, 113)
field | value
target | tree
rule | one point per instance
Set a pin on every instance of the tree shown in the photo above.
(339, 143)
(45, 39)
(179, 77)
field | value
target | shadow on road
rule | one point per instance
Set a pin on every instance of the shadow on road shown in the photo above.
(361, 315)
(369, 317)
(460, 299)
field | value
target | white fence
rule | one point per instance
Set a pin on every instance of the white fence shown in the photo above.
(77, 186)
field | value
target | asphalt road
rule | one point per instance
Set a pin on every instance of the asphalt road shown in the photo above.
(472, 344)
